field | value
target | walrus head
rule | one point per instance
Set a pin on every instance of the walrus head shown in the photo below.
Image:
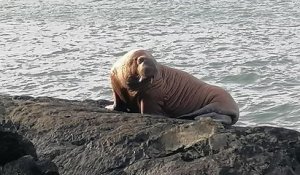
(141, 68)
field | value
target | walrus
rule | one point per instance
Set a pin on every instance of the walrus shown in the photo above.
(142, 85)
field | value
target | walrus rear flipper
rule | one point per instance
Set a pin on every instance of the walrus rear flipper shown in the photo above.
(224, 119)
(212, 112)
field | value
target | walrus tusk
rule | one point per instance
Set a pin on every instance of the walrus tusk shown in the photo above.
(141, 79)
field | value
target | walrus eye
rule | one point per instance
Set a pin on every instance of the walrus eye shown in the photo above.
(140, 60)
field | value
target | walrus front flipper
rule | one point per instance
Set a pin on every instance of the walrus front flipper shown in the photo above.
(118, 105)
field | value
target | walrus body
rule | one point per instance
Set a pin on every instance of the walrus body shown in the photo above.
(140, 84)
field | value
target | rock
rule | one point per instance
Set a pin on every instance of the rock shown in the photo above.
(28, 165)
(82, 137)
(14, 146)
(18, 155)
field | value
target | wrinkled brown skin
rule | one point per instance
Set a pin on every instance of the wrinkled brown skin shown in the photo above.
(173, 93)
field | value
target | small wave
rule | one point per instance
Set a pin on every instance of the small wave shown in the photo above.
(241, 78)
(62, 51)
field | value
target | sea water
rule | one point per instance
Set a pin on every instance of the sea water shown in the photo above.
(65, 48)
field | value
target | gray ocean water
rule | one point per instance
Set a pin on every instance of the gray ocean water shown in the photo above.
(65, 48)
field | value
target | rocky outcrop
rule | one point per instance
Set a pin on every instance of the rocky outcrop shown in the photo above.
(81, 137)
(18, 155)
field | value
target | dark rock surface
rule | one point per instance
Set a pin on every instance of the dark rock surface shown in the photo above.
(28, 165)
(18, 155)
(13, 146)
(84, 138)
